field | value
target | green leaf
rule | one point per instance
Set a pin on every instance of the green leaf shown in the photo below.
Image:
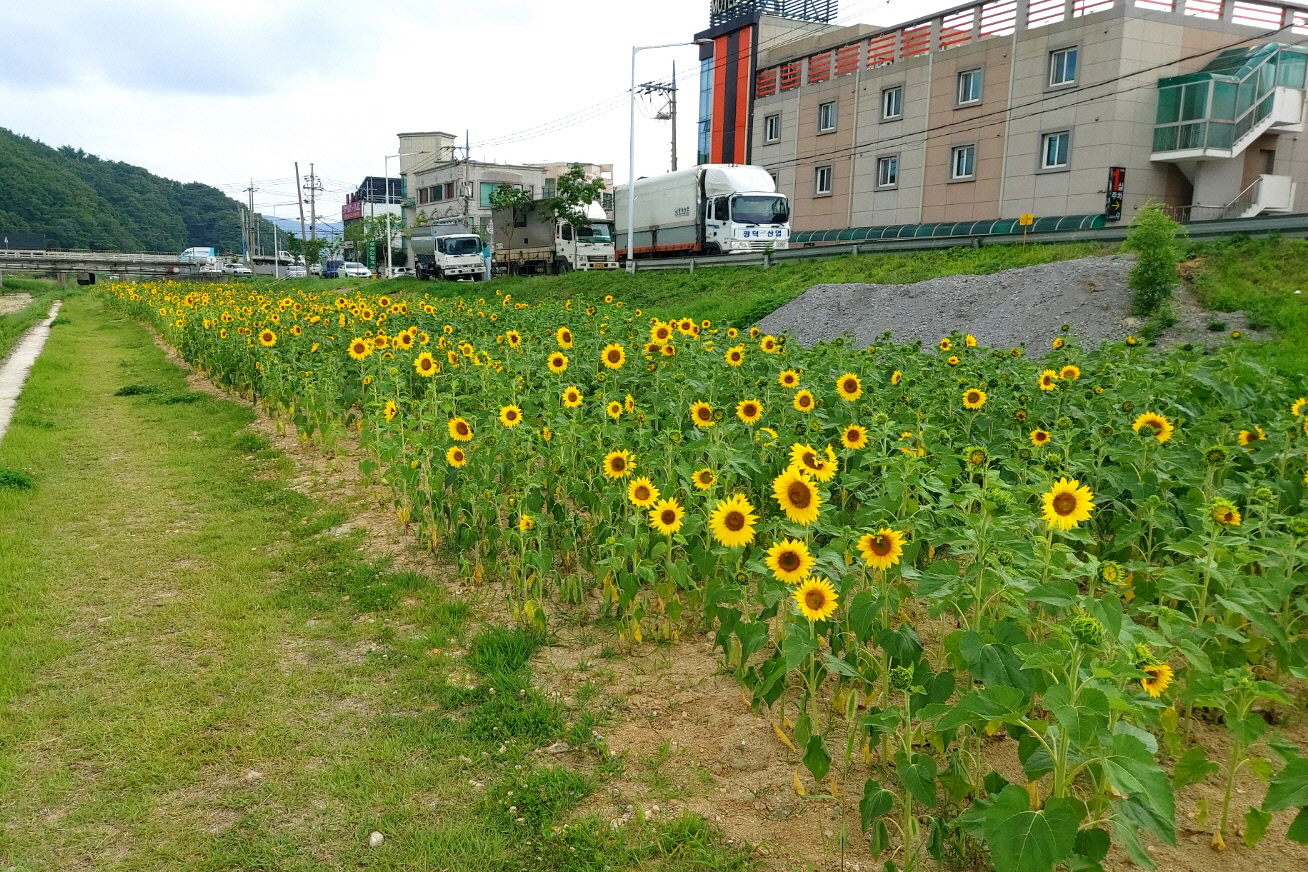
(1092, 844)
(1289, 789)
(797, 648)
(994, 663)
(1298, 831)
(1125, 831)
(1134, 773)
(1193, 767)
(918, 777)
(901, 643)
(863, 615)
(816, 758)
(983, 706)
(876, 801)
(938, 580)
(1255, 826)
(1022, 840)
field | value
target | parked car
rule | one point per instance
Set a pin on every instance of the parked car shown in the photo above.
(237, 269)
(296, 272)
(315, 269)
(352, 269)
(399, 272)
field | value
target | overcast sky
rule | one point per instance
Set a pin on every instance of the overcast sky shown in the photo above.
(225, 91)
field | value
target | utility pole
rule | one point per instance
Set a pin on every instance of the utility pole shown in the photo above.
(247, 238)
(467, 190)
(299, 195)
(668, 112)
(313, 187)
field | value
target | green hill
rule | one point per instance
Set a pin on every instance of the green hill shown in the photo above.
(80, 201)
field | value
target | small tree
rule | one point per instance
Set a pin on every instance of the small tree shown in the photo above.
(573, 192)
(1154, 237)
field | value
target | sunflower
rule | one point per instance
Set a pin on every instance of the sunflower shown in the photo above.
(460, 430)
(1299, 407)
(390, 410)
(425, 365)
(788, 378)
(732, 521)
(768, 344)
(1132, 341)
(510, 416)
(614, 409)
(945, 345)
(974, 398)
(403, 340)
(849, 386)
(661, 333)
(1067, 504)
(883, 548)
(572, 397)
(629, 402)
(969, 340)
(525, 522)
(797, 496)
(735, 355)
(618, 464)
(896, 377)
(558, 362)
(816, 598)
(1057, 343)
(613, 356)
(854, 436)
(1225, 514)
(1158, 426)
(1070, 372)
(790, 561)
(803, 401)
(749, 411)
(666, 516)
(564, 336)
(952, 360)
(642, 492)
(767, 436)
(456, 456)
(267, 338)
(703, 479)
(1039, 437)
(1249, 437)
(1157, 677)
(702, 414)
(1048, 380)
(808, 460)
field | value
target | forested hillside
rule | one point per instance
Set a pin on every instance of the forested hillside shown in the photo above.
(80, 201)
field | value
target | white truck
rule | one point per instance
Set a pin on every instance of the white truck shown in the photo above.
(704, 210)
(447, 249)
(528, 241)
(202, 261)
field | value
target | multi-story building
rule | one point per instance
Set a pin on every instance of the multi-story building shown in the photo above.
(1001, 108)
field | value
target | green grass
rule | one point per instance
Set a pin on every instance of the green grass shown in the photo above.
(1259, 277)
(742, 295)
(15, 324)
(201, 669)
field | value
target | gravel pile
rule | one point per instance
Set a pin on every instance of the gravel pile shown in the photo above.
(1011, 308)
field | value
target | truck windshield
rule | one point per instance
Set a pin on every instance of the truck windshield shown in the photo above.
(760, 209)
(463, 245)
(595, 233)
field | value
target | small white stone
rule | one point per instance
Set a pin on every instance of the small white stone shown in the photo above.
(375, 839)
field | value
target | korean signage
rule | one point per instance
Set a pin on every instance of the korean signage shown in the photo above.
(1116, 190)
(722, 11)
(352, 211)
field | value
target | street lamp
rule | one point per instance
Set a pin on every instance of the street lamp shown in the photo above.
(386, 180)
(631, 153)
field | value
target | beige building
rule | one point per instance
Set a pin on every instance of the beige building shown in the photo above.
(1003, 108)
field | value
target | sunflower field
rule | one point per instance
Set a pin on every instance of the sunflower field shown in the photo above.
(912, 557)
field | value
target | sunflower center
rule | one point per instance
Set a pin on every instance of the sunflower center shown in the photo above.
(703, 413)
(815, 598)
(850, 385)
(1065, 503)
(618, 464)
(613, 356)
(788, 561)
(972, 397)
(810, 459)
(804, 401)
(799, 495)
(511, 415)
(668, 517)
(642, 493)
(881, 545)
(750, 410)
(734, 521)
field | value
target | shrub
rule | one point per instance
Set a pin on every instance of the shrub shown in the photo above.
(1154, 239)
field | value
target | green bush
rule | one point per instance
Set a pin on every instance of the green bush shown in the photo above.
(1154, 237)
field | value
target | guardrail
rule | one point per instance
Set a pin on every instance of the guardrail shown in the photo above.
(1279, 225)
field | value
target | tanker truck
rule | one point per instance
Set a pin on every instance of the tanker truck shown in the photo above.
(530, 241)
(704, 210)
(447, 249)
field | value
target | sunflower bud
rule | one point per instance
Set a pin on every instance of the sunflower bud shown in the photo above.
(1110, 572)
(901, 678)
(1299, 526)
(1087, 630)
(1063, 423)
(1263, 495)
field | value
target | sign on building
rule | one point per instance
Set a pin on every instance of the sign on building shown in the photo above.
(1116, 190)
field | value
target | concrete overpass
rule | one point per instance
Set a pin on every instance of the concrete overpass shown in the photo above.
(102, 263)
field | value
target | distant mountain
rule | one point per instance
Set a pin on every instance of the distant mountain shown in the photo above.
(292, 225)
(80, 201)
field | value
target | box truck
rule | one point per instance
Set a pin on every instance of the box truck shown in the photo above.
(704, 210)
(447, 249)
(529, 241)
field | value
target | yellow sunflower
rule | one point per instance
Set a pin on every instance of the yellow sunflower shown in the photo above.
(945, 345)
(816, 598)
(661, 333)
(456, 456)
(614, 356)
(703, 479)
(735, 355)
(1157, 426)
(797, 496)
(572, 397)
(769, 344)
(1057, 343)
(849, 386)
(896, 377)
(1157, 677)
(969, 340)
(1039, 437)
(360, 348)
(732, 521)
(460, 430)
(1048, 380)
(1070, 372)
(803, 401)
(974, 398)
(702, 414)
(642, 492)
(618, 464)
(564, 336)
(614, 409)
(807, 459)
(790, 561)
(749, 411)
(558, 362)
(1225, 514)
(882, 549)
(666, 516)
(1067, 504)
(267, 338)
(952, 360)
(510, 416)
(425, 365)
(1249, 437)
(1299, 407)
(788, 378)
(854, 436)
(390, 410)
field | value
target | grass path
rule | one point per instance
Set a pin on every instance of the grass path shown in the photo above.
(198, 673)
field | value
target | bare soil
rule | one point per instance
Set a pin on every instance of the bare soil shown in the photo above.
(11, 303)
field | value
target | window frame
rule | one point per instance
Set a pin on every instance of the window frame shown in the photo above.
(772, 128)
(978, 83)
(885, 93)
(1045, 138)
(1075, 52)
(819, 172)
(954, 151)
(823, 108)
(886, 160)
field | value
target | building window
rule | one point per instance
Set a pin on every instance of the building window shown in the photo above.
(606, 201)
(888, 171)
(772, 128)
(822, 180)
(969, 87)
(826, 117)
(1062, 67)
(962, 162)
(892, 103)
(1055, 149)
(549, 189)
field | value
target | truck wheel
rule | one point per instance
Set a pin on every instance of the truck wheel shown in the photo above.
(438, 274)
(712, 249)
(561, 266)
